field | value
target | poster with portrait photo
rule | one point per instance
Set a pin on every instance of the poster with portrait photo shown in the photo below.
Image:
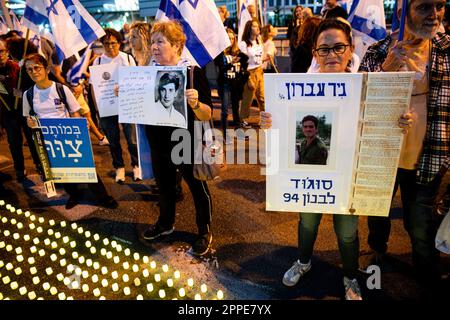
(169, 98)
(322, 182)
(153, 95)
(312, 139)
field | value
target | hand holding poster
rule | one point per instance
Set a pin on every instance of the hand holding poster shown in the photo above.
(340, 139)
(104, 79)
(153, 95)
(69, 150)
(316, 115)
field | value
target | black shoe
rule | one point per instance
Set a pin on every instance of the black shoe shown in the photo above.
(155, 231)
(72, 202)
(20, 175)
(202, 244)
(244, 125)
(154, 189)
(109, 203)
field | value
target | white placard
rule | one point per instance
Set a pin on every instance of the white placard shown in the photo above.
(153, 96)
(104, 79)
(334, 99)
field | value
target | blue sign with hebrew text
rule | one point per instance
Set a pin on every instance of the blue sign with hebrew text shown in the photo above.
(69, 150)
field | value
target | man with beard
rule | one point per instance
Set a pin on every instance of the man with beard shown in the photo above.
(424, 157)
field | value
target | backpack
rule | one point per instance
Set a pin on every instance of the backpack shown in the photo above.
(59, 89)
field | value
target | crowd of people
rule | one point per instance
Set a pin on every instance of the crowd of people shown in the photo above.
(319, 44)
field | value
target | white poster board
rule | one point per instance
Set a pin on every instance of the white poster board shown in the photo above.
(153, 96)
(104, 79)
(359, 141)
(335, 98)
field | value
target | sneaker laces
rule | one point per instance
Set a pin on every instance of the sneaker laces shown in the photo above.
(299, 267)
(352, 290)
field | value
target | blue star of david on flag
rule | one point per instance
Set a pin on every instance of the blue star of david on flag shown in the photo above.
(52, 8)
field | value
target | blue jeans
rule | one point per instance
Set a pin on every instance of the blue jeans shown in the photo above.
(346, 229)
(110, 126)
(418, 201)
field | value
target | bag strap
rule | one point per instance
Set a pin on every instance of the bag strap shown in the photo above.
(62, 94)
(191, 86)
(30, 96)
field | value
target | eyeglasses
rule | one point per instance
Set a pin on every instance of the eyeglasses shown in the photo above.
(113, 43)
(337, 49)
(34, 68)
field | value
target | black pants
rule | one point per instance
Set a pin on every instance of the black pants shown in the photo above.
(417, 202)
(97, 189)
(166, 178)
(14, 123)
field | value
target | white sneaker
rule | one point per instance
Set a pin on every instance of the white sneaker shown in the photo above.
(120, 175)
(103, 142)
(137, 175)
(352, 290)
(293, 275)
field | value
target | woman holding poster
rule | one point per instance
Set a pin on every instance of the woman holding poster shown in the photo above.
(168, 40)
(333, 48)
(45, 101)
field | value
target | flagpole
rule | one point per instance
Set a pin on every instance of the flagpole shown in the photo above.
(7, 16)
(19, 82)
(403, 20)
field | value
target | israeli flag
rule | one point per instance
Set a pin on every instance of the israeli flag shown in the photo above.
(16, 24)
(3, 26)
(64, 22)
(206, 35)
(76, 73)
(244, 17)
(368, 22)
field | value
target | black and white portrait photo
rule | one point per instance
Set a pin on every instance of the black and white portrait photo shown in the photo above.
(170, 106)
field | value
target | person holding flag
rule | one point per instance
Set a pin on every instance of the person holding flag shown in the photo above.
(424, 158)
(368, 22)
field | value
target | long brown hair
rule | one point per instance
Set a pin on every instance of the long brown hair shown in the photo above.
(247, 34)
(307, 31)
(234, 48)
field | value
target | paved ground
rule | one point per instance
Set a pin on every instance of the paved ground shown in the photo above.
(253, 248)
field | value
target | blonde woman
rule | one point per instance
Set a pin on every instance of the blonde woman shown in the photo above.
(140, 42)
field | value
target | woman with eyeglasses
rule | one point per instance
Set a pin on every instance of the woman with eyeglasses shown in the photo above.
(333, 49)
(46, 102)
(111, 42)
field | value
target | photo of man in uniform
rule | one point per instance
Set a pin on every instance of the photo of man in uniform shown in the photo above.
(311, 150)
(168, 87)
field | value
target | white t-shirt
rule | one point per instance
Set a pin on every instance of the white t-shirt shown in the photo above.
(122, 59)
(48, 104)
(171, 117)
(254, 54)
(269, 50)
